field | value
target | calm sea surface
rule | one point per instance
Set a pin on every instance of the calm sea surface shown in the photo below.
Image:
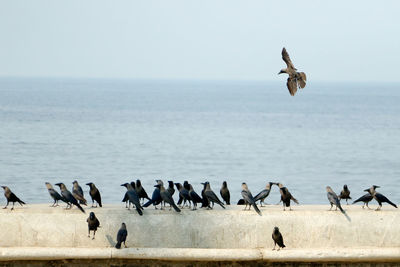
(109, 132)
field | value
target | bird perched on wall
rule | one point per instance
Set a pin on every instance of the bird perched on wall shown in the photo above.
(94, 194)
(133, 198)
(365, 198)
(121, 236)
(205, 202)
(194, 197)
(71, 200)
(171, 188)
(248, 198)
(278, 239)
(345, 194)
(140, 191)
(126, 198)
(295, 79)
(286, 197)
(166, 197)
(155, 198)
(226, 196)
(183, 194)
(11, 197)
(334, 200)
(379, 197)
(93, 224)
(77, 192)
(54, 195)
(211, 196)
(263, 194)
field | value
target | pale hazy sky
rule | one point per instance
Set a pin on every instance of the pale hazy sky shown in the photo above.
(329, 40)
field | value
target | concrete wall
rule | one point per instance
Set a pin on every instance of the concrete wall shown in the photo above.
(311, 234)
(304, 227)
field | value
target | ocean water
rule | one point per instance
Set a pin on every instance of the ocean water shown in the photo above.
(110, 132)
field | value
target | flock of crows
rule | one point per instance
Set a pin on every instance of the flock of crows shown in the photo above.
(188, 197)
(137, 196)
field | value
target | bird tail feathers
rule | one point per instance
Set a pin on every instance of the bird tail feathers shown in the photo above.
(256, 209)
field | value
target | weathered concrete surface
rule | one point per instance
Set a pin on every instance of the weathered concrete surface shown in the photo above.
(311, 234)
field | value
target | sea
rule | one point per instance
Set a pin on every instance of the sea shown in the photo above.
(114, 131)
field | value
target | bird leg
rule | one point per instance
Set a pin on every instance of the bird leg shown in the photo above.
(6, 205)
(94, 233)
(368, 206)
(125, 245)
(245, 207)
(88, 233)
(331, 206)
(274, 246)
(379, 208)
(13, 206)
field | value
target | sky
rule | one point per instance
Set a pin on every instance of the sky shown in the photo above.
(202, 40)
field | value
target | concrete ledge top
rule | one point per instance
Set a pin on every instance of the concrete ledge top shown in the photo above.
(190, 254)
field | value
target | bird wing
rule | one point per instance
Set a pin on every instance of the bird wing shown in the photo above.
(291, 85)
(302, 80)
(195, 197)
(247, 197)
(261, 195)
(333, 199)
(286, 58)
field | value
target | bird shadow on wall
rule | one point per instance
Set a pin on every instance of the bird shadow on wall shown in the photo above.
(111, 241)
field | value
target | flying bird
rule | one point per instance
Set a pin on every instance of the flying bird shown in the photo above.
(295, 79)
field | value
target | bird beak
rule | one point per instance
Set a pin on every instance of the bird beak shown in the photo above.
(280, 72)
(88, 183)
(3, 187)
(202, 183)
(123, 184)
(366, 190)
(58, 184)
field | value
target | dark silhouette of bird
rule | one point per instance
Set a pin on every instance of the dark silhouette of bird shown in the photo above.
(379, 197)
(183, 194)
(93, 224)
(77, 192)
(286, 196)
(345, 194)
(126, 198)
(194, 197)
(71, 200)
(140, 191)
(225, 194)
(365, 198)
(133, 198)
(121, 236)
(241, 202)
(94, 194)
(166, 196)
(54, 195)
(263, 194)
(205, 202)
(295, 79)
(211, 196)
(278, 239)
(11, 197)
(155, 197)
(249, 199)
